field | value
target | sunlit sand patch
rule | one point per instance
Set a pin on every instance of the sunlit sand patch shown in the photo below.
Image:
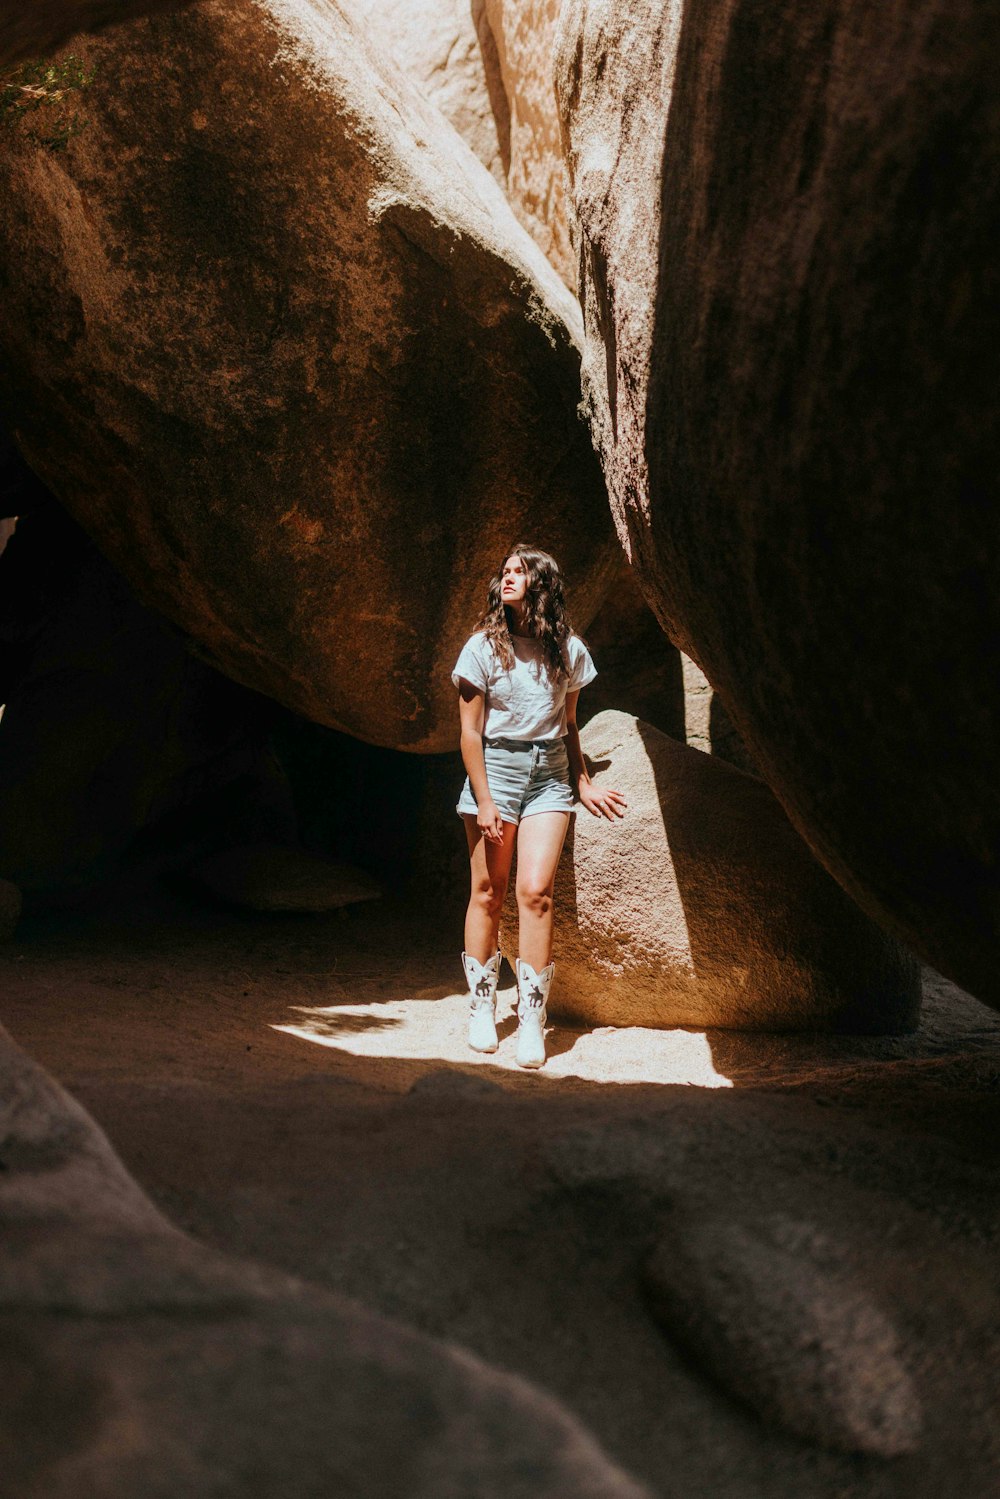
(433, 1030)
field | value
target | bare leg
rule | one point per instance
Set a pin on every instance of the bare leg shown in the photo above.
(490, 868)
(539, 845)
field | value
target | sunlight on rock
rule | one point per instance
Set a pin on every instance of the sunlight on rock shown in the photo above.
(434, 1030)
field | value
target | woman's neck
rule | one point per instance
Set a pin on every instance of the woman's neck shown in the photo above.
(515, 623)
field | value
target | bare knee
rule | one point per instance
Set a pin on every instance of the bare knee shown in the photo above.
(489, 898)
(534, 900)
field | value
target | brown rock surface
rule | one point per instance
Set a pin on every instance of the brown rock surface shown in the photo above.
(136, 1361)
(613, 66)
(703, 907)
(28, 32)
(274, 336)
(769, 1309)
(524, 34)
(436, 43)
(788, 220)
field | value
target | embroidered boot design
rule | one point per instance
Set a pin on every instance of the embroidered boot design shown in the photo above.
(482, 981)
(532, 1000)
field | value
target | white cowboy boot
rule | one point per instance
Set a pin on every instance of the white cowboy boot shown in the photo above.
(482, 981)
(532, 997)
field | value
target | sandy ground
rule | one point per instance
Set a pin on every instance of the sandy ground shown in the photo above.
(298, 1090)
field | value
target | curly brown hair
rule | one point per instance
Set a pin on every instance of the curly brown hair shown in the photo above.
(545, 613)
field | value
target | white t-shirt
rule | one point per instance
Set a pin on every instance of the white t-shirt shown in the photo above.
(525, 703)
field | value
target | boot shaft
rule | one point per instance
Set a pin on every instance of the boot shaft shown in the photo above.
(532, 999)
(533, 991)
(482, 980)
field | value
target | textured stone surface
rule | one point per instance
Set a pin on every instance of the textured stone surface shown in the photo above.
(136, 1361)
(28, 32)
(613, 67)
(703, 907)
(275, 337)
(788, 219)
(436, 42)
(767, 1309)
(272, 877)
(524, 35)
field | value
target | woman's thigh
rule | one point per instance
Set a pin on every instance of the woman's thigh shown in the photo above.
(540, 840)
(489, 862)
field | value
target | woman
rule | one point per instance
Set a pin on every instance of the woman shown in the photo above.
(518, 678)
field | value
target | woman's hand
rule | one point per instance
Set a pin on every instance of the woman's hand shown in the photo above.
(490, 822)
(601, 801)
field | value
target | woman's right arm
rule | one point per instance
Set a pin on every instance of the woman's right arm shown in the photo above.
(472, 712)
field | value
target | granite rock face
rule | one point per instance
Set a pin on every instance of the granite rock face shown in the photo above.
(790, 291)
(436, 42)
(523, 33)
(275, 338)
(142, 1362)
(703, 907)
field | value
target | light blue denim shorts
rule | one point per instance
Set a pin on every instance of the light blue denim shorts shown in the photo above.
(524, 777)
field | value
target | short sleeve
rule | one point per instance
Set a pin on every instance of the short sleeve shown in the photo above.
(471, 664)
(581, 666)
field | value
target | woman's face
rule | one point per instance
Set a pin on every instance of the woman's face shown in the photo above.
(513, 581)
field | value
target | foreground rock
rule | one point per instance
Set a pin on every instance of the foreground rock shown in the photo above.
(771, 1313)
(790, 269)
(865, 1168)
(703, 907)
(292, 361)
(274, 877)
(225, 1377)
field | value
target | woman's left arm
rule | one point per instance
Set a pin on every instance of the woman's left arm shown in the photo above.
(600, 801)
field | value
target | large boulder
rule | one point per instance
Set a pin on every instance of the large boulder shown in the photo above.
(137, 1361)
(523, 33)
(788, 221)
(437, 43)
(274, 336)
(703, 907)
